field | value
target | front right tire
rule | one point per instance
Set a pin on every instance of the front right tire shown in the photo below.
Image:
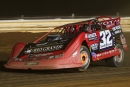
(85, 58)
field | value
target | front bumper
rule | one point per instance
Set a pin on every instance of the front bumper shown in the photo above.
(59, 63)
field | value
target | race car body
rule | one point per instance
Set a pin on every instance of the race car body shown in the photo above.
(73, 46)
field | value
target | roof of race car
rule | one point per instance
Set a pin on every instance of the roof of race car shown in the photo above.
(73, 24)
(83, 22)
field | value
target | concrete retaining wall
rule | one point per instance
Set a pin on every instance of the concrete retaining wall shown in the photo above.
(46, 24)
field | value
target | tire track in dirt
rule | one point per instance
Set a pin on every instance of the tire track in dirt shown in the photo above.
(34, 78)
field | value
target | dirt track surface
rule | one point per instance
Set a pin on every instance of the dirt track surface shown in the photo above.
(97, 75)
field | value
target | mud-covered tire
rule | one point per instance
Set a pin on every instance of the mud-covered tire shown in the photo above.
(85, 58)
(116, 61)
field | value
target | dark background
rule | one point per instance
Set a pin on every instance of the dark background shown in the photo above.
(33, 8)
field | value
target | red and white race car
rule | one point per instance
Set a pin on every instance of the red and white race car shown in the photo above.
(73, 45)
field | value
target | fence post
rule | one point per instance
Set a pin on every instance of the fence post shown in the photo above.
(73, 15)
(117, 14)
(22, 16)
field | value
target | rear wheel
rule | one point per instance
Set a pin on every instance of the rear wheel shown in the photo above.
(85, 58)
(116, 61)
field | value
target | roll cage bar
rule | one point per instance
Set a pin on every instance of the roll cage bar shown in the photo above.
(92, 24)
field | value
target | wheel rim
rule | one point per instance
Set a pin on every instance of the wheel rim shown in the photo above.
(119, 58)
(84, 57)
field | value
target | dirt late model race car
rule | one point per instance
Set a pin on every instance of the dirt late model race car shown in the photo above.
(73, 45)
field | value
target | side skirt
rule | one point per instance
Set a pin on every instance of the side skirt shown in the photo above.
(105, 54)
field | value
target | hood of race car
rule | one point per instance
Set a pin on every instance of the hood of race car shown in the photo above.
(43, 47)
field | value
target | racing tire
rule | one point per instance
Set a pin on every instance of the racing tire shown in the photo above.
(85, 58)
(116, 61)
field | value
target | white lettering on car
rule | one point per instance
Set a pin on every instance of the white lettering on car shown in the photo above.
(75, 53)
(94, 46)
(92, 36)
(117, 29)
(106, 40)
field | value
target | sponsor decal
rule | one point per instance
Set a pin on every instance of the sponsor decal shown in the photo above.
(28, 51)
(17, 59)
(43, 57)
(94, 46)
(123, 41)
(39, 55)
(117, 29)
(110, 23)
(94, 55)
(106, 53)
(41, 44)
(75, 54)
(31, 63)
(107, 23)
(98, 55)
(44, 49)
(92, 36)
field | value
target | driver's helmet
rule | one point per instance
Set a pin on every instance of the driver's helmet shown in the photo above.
(53, 37)
(87, 28)
(72, 29)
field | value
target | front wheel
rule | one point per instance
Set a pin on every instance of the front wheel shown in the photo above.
(85, 58)
(116, 61)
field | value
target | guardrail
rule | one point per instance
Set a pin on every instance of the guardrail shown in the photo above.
(46, 24)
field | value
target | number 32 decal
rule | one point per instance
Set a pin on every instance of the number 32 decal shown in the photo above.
(106, 39)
